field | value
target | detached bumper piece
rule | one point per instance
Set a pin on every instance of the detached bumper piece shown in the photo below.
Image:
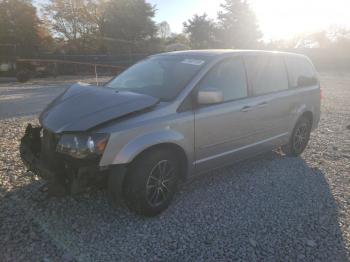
(65, 175)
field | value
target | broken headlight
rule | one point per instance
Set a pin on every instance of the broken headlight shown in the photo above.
(83, 145)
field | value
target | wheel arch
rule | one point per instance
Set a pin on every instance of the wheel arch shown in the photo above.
(169, 139)
(309, 115)
(173, 147)
(302, 112)
(289, 149)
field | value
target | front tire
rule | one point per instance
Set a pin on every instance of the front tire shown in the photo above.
(299, 138)
(151, 182)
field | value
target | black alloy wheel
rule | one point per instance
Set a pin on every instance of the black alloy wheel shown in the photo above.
(299, 138)
(151, 181)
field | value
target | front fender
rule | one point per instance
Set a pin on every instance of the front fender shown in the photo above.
(136, 146)
(140, 143)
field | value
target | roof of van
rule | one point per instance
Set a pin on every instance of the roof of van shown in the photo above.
(217, 52)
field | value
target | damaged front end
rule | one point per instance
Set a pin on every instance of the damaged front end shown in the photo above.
(66, 151)
(68, 168)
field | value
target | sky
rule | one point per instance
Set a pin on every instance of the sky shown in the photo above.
(278, 19)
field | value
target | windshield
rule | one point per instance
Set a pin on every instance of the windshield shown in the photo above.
(162, 77)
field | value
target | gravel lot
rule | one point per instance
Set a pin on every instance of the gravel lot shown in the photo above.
(271, 208)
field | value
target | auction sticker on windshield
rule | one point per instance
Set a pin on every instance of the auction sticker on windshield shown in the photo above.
(193, 62)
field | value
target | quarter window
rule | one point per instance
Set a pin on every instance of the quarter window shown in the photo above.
(301, 72)
(229, 77)
(266, 74)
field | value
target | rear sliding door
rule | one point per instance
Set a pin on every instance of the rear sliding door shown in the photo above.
(269, 89)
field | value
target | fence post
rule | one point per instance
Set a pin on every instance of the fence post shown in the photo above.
(55, 70)
(96, 75)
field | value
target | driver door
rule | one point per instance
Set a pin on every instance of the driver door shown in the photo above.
(224, 130)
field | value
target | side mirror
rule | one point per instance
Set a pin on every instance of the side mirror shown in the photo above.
(209, 96)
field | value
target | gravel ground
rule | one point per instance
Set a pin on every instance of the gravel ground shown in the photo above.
(270, 208)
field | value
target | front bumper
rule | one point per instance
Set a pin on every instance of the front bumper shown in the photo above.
(30, 153)
(66, 175)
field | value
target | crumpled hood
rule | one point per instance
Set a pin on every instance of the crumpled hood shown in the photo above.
(83, 107)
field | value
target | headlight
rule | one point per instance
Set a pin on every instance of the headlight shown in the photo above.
(82, 145)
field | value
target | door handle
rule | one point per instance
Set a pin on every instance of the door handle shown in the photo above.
(246, 108)
(262, 104)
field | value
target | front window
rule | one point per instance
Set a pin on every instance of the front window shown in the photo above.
(162, 77)
(228, 77)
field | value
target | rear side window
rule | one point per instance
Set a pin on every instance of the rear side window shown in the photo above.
(301, 72)
(266, 74)
(229, 77)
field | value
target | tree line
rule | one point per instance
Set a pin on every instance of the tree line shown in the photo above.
(115, 27)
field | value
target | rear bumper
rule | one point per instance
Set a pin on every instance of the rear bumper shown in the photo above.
(69, 176)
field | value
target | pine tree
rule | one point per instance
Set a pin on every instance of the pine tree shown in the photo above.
(238, 25)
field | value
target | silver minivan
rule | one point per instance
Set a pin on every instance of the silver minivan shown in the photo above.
(170, 117)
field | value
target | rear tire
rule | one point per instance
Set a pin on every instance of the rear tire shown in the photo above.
(299, 138)
(151, 182)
